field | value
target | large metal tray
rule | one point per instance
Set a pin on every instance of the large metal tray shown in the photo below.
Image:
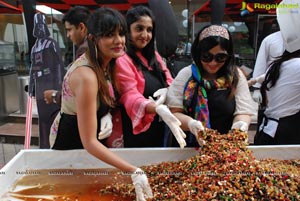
(80, 159)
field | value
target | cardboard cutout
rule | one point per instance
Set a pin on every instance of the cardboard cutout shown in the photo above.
(46, 72)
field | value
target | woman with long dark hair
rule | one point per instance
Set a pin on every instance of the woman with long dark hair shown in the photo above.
(87, 94)
(281, 87)
(281, 98)
(140, 74)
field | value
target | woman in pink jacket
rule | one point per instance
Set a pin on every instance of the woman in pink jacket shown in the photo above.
(141, 73)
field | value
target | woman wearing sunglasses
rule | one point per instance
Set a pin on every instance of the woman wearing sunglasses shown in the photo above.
(211, 92)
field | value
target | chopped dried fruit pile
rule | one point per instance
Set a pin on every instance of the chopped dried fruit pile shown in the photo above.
(225, 169)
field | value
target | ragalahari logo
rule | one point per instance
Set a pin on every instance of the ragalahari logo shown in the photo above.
(268, 8)
(246, 9)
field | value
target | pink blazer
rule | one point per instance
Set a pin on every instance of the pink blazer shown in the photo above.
(131, 86)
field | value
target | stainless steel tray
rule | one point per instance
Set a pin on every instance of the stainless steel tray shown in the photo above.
(80, 159)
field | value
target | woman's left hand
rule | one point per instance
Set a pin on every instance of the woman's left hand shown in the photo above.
(241, 125)
(173, 123)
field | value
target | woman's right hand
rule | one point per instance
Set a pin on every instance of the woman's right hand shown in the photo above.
(141, 185)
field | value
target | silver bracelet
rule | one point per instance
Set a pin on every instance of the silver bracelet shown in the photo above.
(54, 96)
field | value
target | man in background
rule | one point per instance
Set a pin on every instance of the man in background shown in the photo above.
(75, 24)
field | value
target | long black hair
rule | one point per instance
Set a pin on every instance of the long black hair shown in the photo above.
(133, 15)
(103, 22)
(273, 73)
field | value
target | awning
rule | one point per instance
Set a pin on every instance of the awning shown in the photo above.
(64, 5)
(7, 8)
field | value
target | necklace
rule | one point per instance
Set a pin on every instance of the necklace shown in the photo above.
(107, 75)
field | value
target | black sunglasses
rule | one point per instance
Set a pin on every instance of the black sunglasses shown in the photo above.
(219, 58)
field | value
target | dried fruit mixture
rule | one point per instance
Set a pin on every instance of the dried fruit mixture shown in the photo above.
(224, 169)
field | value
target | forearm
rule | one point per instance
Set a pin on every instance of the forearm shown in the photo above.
(242, 117)
(102, 153)
(150, 108)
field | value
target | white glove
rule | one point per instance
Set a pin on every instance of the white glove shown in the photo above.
(141, 185)
(260, 78)
(106, 127)
(161, 94)
(173, 123)
(195, 127)
(257, 96)
(241, 125)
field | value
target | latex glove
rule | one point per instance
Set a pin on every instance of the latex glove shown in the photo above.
(260, 78)
(106, 127)
(141, 185)
(173, 123)
(195, 127)
(257, 96)
(161, 96)
(241, 125)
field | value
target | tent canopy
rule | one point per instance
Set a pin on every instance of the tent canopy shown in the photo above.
(8, 8)
(12, 6)
(64, 5)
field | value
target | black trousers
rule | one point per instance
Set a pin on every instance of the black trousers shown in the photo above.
(287, 132)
